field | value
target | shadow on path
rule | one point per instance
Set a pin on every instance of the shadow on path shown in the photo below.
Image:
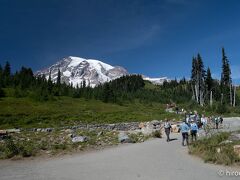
(173, 139)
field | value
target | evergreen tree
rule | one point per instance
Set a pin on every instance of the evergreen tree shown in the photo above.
(198, 79)
(59, 78)
(7, 69)
(194, 70)
(108, 95)
(1, 82)
(49, 83)
(1, 92)
(50, 76)
(209, 85)
(57, 89)
(226, 80)
(209, 80)
(1, 76)
(226, 71)
(83, 84)
(7, 75)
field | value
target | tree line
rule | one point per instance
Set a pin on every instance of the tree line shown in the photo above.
(201, 88)
(129, 88)
(23, 83)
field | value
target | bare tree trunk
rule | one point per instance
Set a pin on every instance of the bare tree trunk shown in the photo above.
(196, 90)
(211, 100)
(194, 95)
(221, 98)
(201, 98)
(231, 103)
(234, 96)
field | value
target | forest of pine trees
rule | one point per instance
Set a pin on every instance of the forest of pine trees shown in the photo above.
(23, 83)
(202, 88)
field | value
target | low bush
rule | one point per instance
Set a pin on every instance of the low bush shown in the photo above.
(157, 134)
(212, 150)
(136, 138)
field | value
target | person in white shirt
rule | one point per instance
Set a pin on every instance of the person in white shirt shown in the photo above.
(167, 127)
(204, 121)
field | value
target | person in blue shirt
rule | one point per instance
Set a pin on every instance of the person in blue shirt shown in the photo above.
(194, 130)
(184, 130)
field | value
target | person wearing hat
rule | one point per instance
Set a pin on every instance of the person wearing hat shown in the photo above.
(193, 130)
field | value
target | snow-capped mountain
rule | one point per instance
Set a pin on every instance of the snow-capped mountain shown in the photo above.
(75, 70)
(157, 81)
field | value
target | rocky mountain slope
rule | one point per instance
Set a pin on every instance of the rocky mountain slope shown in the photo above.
(75, 70)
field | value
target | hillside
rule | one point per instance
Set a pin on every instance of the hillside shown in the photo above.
(30, 101)
(25, 112)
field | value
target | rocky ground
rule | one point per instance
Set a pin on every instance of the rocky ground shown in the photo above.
(17, 143)
(154, 159)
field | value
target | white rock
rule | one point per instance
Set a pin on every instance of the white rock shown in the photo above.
(79, 139)
(123, 137)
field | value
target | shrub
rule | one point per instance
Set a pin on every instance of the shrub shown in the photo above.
(27, 150)
(60, 146)
(207, 149)
(11, 148)
(2, 94)
(221, 108)
(135, 138)
(157, 134)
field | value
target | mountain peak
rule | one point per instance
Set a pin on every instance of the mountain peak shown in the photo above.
(75, 70)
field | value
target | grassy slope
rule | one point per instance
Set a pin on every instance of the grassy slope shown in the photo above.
(24, 112)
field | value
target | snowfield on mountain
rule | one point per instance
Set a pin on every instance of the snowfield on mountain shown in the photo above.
(75, 70)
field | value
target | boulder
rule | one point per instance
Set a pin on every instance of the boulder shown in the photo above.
(3, 132)
(155, 122)
(68, 131)
(175, 128)
(141, 125)
(237, 149)
(147, 130)
(79, 139)
(123, 138)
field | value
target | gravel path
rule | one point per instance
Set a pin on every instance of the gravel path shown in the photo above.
(152, 160)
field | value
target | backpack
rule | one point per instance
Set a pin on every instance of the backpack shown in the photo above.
(167, 125)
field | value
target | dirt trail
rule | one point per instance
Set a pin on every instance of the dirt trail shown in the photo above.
(152, 160)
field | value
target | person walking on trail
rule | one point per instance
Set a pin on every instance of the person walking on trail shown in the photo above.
(194, 130)
(184, 130)
(204, 121)
(167, 128)
(217, 122)
(221, 119)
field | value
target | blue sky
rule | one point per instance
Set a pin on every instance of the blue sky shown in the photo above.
(152, 37)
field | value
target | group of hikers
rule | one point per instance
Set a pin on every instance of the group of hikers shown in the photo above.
(190, 126)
